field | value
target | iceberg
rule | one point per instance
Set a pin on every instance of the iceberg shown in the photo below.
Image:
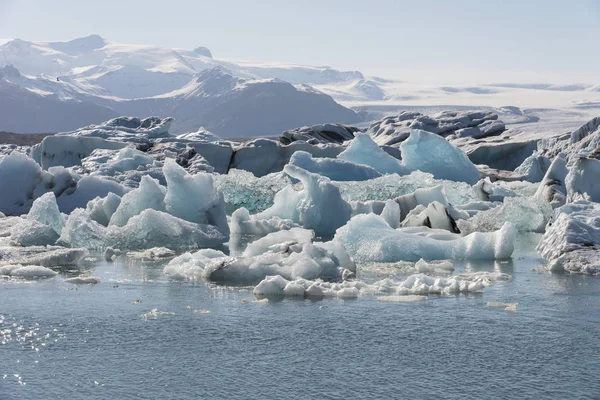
(428, 152)
(582, 180)
(364, 151)
(149, 195)
(194, 198)
(572, 241)
(334, 169)
(368, 238)
(552, 188)
(318, 206)
(242, 223)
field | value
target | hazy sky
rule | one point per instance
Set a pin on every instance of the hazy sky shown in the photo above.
(468, 41)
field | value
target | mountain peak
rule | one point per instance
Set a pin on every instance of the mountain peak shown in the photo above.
(10, 72)
(203, 51)
(80, 45)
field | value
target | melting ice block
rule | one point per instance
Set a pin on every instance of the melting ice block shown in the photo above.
(369, 238)
(334, 169)
(194, 198)
(572, 242)
(318, 206)
(363, 150)
(428, 152)
(27, 272)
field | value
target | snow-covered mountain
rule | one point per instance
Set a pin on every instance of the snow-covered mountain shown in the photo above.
(233, 100)
(144, 80)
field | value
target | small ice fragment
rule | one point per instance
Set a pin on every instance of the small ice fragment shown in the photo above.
(510, 307)
(110, 254)
(401, 299)
(136, 302)
(155, 313)
(323, 307)
(261, 301)
(201, 311)
(83, 280)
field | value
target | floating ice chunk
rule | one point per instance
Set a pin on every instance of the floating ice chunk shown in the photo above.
(45, 211)
(582, 179)
(552, 188)
(81, 231)
(88, 188)
(154, 313)
(27, 272)
(282, 238)
(318, 206)
(149, 195)
(153, 253)
(291, 260)
(428, 152)
(526, 215)
(534, 167)
(19, 176)
(243, 189)
(291, 288)
(435, 216)
(32, 233)
(102, 209)
(194, 198)
(52, 257)
(339, 251)
(154, 228)
(444, 267)
(414, 288)
(126, 159)
(67, 151)
(201, 135)
(334, 169)
(83, 280)
(243, 224)
(190, 266)
(506, 306)
(486, 190)
(111, 254)
(348, 293)
(370, 238)
(273, 285)
(363, 150)
(572, 240)
(391, 213)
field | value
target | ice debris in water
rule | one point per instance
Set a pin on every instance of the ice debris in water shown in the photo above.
(154, 313)
(289, 253)
(510, 307)
(417, 284)
(27, 271)
(83, 280)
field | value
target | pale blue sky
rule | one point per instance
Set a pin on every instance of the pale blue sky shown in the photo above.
(473, 41)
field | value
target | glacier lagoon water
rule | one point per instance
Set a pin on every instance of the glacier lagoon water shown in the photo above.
(59, 340)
